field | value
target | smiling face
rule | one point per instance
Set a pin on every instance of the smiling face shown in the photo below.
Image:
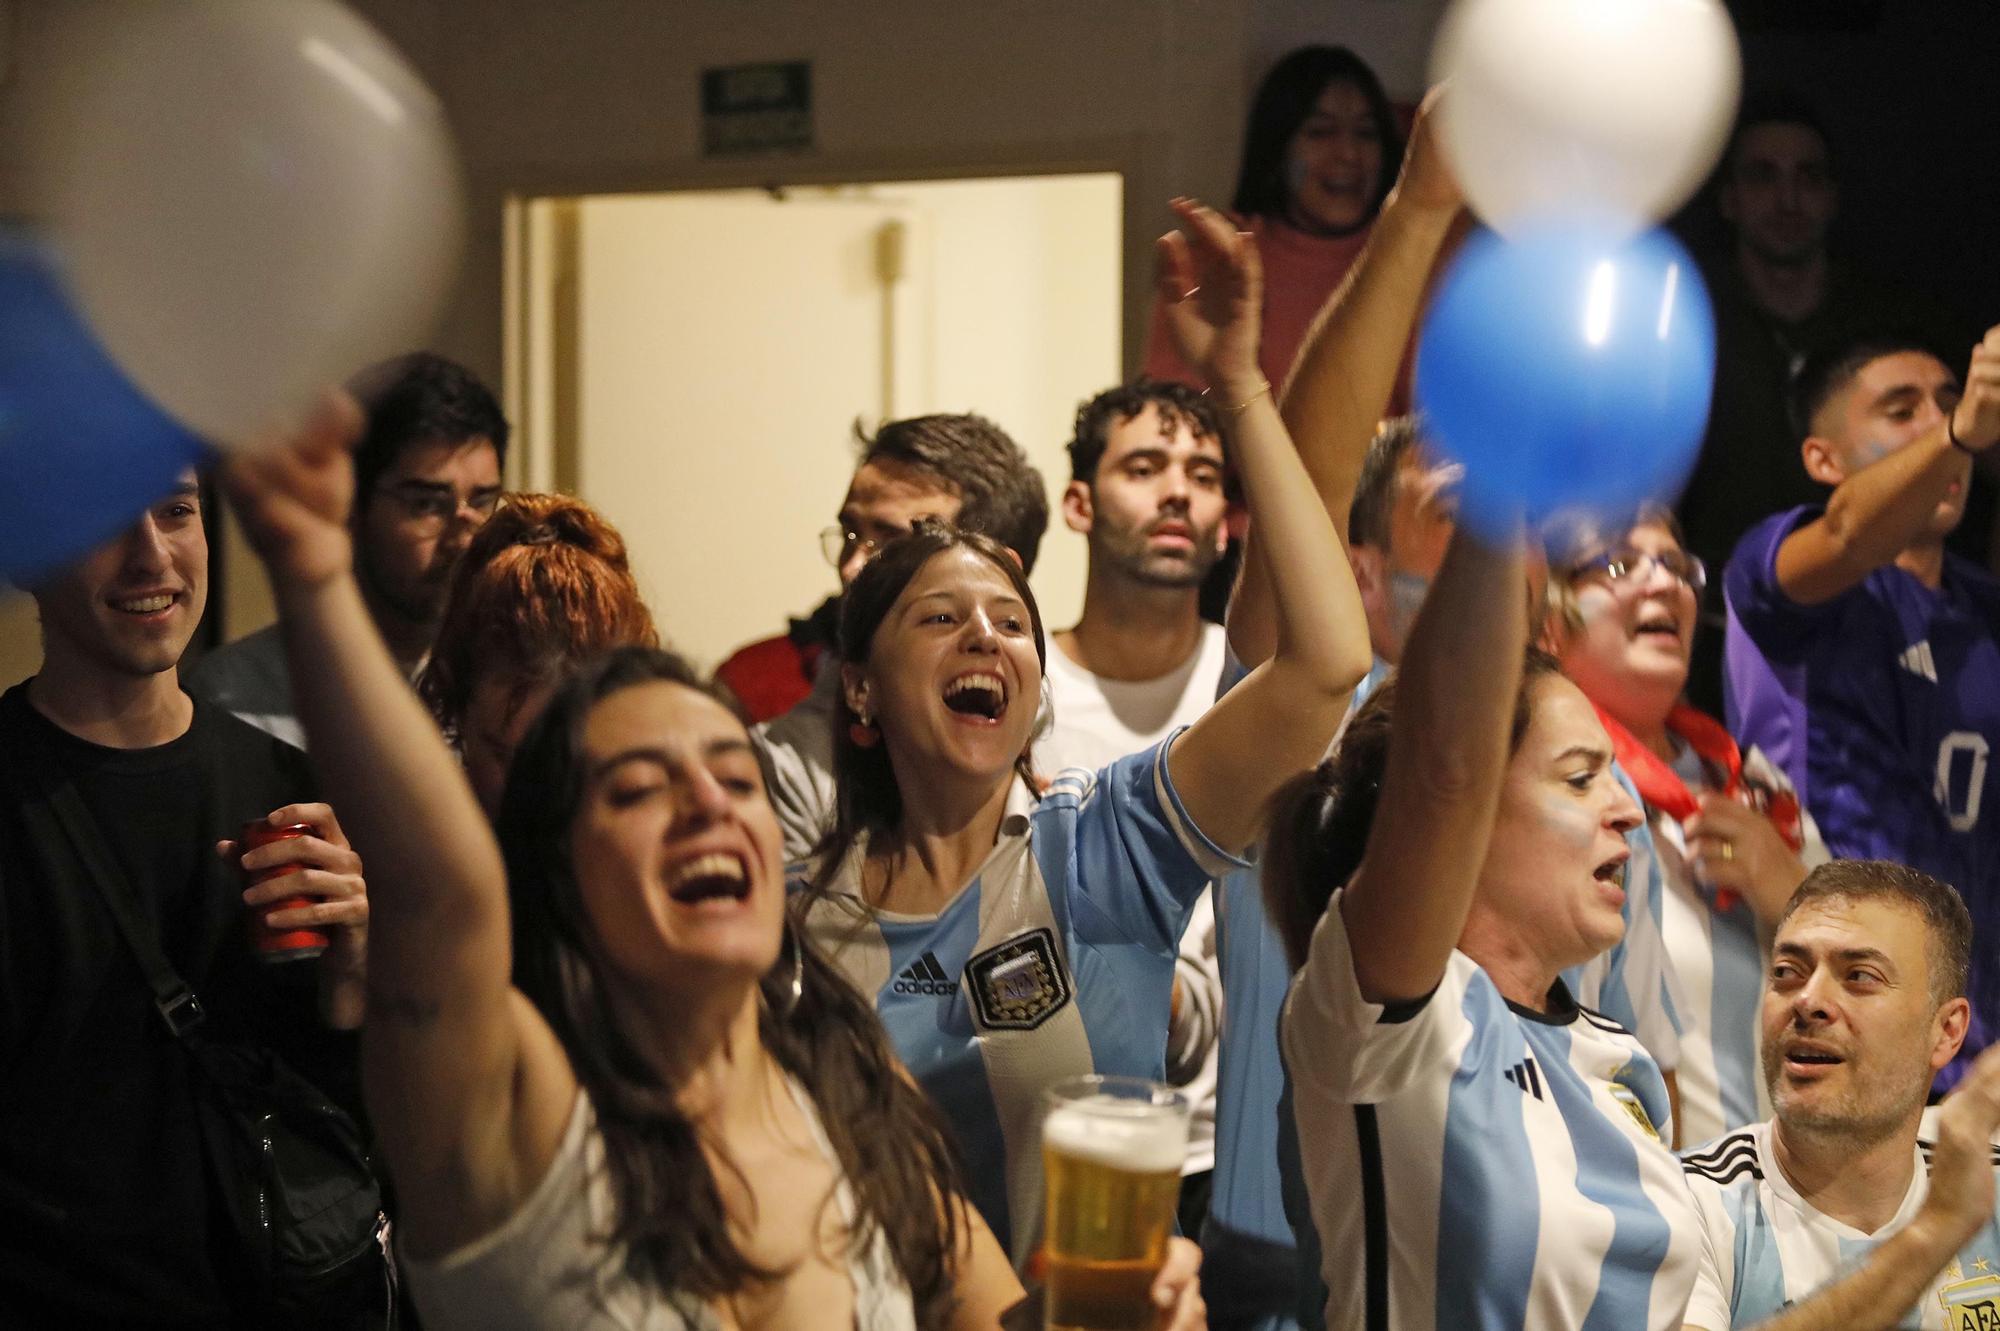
(1333, 165)
(1852, 1032)
(128, 608)
(1553, 879)
(1778, 191)
(953, 679)
(1154, 510)
(1630, 654)
(674, 845)
(1891, 402)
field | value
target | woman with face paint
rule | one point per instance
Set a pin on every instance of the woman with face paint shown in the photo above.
(1731, 837)
(1013, 936)
(1319, 155)
(1480, 1150)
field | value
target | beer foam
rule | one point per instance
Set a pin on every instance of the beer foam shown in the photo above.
(1119, 1133)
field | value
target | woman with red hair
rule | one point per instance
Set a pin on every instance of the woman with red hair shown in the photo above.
(544, 586)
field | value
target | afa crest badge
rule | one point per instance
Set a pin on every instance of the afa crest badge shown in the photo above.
(1628, 1100)
(1020, 984)
(1972, 1305)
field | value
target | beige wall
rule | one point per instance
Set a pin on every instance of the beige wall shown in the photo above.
(720, 439)
(576, 96)
(588, 97)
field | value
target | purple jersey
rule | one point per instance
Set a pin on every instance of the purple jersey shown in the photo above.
(1882, 705)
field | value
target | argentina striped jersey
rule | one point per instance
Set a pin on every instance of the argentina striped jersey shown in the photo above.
(1057, 959)
(1765, 1247)
(1475, 1164)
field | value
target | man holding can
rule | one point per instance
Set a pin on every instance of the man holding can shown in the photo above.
(114, 781)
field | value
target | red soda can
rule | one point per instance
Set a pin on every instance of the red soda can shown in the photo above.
(274, 944)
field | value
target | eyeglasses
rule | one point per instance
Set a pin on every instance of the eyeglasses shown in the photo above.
(1625, 564)
(435, 506)
(838, 544)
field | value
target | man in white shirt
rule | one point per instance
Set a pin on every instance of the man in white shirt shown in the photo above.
(1840, 1213)
(1146, 492)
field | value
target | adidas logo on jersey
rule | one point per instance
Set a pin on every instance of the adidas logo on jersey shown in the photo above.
(925, 976)
(1918, 661)
(1527, 1076)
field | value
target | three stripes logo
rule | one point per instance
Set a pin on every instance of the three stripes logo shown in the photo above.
(925, 976)
(1725, 1159)
(1526, 1076)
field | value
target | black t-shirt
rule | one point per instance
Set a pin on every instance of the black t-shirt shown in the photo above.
(106, 1215)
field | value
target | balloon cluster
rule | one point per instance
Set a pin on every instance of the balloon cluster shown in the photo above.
(1567, 360)
(237, 202)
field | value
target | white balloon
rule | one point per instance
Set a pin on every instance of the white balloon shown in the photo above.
(255, 197)
(1609, 110)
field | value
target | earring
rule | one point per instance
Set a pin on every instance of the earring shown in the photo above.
(863, 732)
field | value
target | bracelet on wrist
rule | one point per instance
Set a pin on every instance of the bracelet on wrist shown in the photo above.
(1951, 435)
(1263, 389)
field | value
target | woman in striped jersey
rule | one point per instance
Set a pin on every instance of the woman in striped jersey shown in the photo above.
(614, 1087)
(1011, 936)
(1481, 1152)
(1731, 837)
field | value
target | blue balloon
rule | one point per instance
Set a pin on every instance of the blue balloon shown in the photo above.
(82, 452)
(1567, 369)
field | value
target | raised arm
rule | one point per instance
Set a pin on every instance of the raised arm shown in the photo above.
(1342, 380)
(1876, 512)
(1278, 721)
(459, 1070)
(1407, 903)
(1877, 1294)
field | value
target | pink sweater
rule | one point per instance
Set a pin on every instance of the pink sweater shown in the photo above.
(1300, 272)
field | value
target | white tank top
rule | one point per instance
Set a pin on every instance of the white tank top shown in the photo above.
(551, 1266)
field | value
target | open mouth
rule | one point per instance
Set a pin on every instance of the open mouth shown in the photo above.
(1804, 1056)
(1612, 871)
(1658, 624)
(716, 876)
(979, 695)
(151, 604)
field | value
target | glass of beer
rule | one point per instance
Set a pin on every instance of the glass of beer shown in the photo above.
(1112, 1149)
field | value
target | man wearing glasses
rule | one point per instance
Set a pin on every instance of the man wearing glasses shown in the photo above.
(1862, 657)
(960, 469)
(427, 474)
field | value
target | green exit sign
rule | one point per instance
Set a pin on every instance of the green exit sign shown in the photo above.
(756, 108)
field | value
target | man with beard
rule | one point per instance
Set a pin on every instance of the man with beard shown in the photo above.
(1145, 491)
(427, 474)
(1845, 1211)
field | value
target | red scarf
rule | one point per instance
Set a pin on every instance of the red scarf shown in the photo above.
(1662, 788)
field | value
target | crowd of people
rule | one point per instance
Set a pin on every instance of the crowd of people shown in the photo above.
(1513, 987)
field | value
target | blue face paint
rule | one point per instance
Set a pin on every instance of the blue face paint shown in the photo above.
(1867, 453)
(1406, 596)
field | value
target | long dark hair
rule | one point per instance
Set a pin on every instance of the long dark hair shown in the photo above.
(867, 801)
(1319, 822)
(893, 1146)
(1284, 99)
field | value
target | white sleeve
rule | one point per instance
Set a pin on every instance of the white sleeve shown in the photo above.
(801, 790)
(1339, 1045)
(1714, 1276)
